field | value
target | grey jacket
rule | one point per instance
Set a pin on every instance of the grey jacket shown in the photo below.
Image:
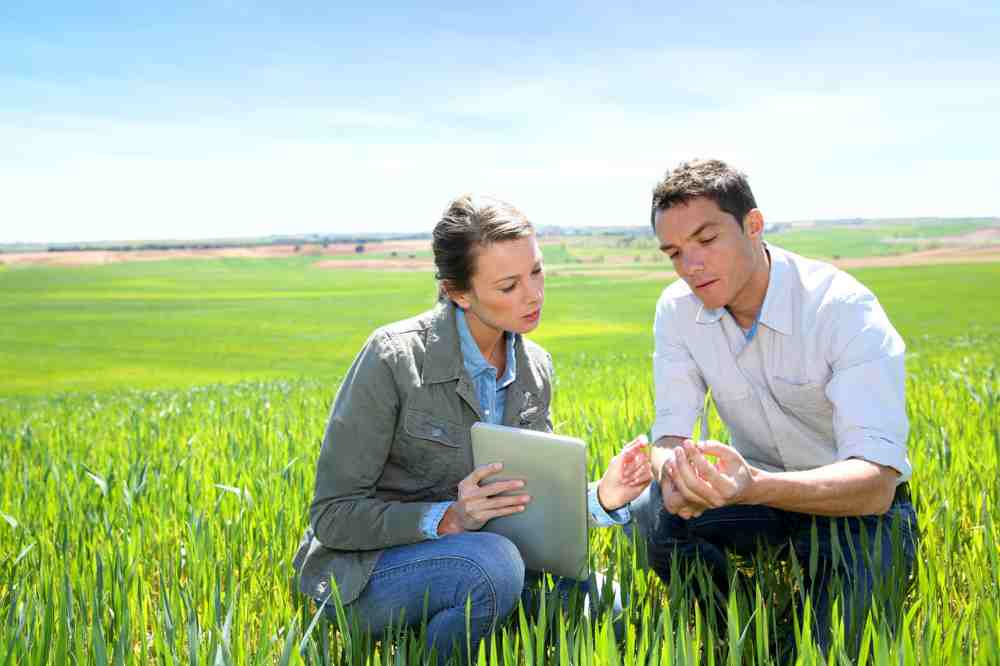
(398, 440)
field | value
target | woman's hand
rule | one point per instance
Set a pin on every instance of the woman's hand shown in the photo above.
(627, 476)
(477, 504)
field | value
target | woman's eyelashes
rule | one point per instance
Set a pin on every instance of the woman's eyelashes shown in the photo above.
(538, 270)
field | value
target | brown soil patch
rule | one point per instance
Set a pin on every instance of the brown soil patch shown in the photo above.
(96, 257)
(947, 255)
(378, 264)
(610, 273)
(958, 253)
(978, 237)
(950, 255)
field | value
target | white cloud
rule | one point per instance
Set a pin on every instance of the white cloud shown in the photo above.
(566, 146)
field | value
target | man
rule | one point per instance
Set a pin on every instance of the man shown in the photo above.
(806, 372)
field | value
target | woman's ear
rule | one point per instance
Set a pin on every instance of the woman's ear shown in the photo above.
(459, 298)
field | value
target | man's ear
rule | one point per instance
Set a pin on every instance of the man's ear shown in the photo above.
(753, 223)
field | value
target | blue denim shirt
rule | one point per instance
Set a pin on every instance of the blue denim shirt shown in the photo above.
(492, 393)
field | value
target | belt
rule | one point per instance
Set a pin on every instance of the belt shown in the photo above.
(902, 493)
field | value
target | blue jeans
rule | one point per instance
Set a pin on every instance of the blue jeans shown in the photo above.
(855, 556)
(436, 577)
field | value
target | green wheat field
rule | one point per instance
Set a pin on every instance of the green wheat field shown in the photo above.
(160, 421)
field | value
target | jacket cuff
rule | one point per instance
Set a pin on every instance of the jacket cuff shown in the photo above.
(429, 523)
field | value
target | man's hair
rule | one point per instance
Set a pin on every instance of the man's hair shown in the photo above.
(712, 179)
(468, 224)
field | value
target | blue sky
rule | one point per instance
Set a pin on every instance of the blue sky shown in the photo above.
(237, 119)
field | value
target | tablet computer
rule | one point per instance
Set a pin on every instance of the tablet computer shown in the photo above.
(551, 532)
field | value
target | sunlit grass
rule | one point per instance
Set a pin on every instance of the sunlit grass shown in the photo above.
(146, 525)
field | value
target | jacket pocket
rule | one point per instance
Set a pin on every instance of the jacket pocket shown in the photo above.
(431, 450)
(421, 425)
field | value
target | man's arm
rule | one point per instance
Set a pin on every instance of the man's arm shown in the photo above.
(680, 397)
(867, 391)
(845, 488)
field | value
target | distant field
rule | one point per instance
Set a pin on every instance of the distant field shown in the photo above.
(183, 323)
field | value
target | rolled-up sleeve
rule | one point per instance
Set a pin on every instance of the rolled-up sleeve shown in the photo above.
(867, 387)
(345, 513)
(680, 388)
(601, 517)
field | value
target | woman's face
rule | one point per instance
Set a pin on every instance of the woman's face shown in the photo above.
(508, 287)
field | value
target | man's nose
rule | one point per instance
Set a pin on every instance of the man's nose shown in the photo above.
(692, 262)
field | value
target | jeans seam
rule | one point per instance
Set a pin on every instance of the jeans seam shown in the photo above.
(440, 559)
(714, 521)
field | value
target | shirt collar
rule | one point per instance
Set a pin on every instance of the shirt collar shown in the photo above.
(775, 313)
(475, 362)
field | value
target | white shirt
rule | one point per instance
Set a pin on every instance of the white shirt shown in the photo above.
(821, 380)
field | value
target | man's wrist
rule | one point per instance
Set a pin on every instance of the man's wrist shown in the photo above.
(755, 491)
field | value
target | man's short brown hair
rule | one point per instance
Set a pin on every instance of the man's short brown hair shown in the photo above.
(712, 179)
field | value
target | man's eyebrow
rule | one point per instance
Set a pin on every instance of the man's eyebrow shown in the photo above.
(705, 225)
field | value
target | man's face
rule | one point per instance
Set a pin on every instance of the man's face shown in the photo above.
(709, 250)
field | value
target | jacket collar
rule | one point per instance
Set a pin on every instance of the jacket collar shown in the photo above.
(443, 362)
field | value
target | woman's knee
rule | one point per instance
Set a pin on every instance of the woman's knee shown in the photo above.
(500, 568)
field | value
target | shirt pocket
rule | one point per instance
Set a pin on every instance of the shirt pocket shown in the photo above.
(795, 396)
(733, 404)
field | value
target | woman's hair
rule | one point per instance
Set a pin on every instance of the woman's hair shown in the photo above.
(468, 224)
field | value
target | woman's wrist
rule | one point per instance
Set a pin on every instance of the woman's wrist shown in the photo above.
(450, 523)
(608, 505)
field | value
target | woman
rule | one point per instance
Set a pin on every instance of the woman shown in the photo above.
(398, 505)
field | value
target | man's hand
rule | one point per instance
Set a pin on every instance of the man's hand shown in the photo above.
(713, 485)
(626, 477)
(477, 504)
(664, 464)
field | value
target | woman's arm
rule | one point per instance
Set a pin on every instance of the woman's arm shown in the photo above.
(345, 514)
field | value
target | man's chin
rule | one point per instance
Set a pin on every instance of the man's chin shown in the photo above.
(713, 303)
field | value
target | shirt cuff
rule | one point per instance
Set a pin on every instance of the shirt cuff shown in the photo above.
(679, 424)
(599, 516)
(878, 450)
(429, 523)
